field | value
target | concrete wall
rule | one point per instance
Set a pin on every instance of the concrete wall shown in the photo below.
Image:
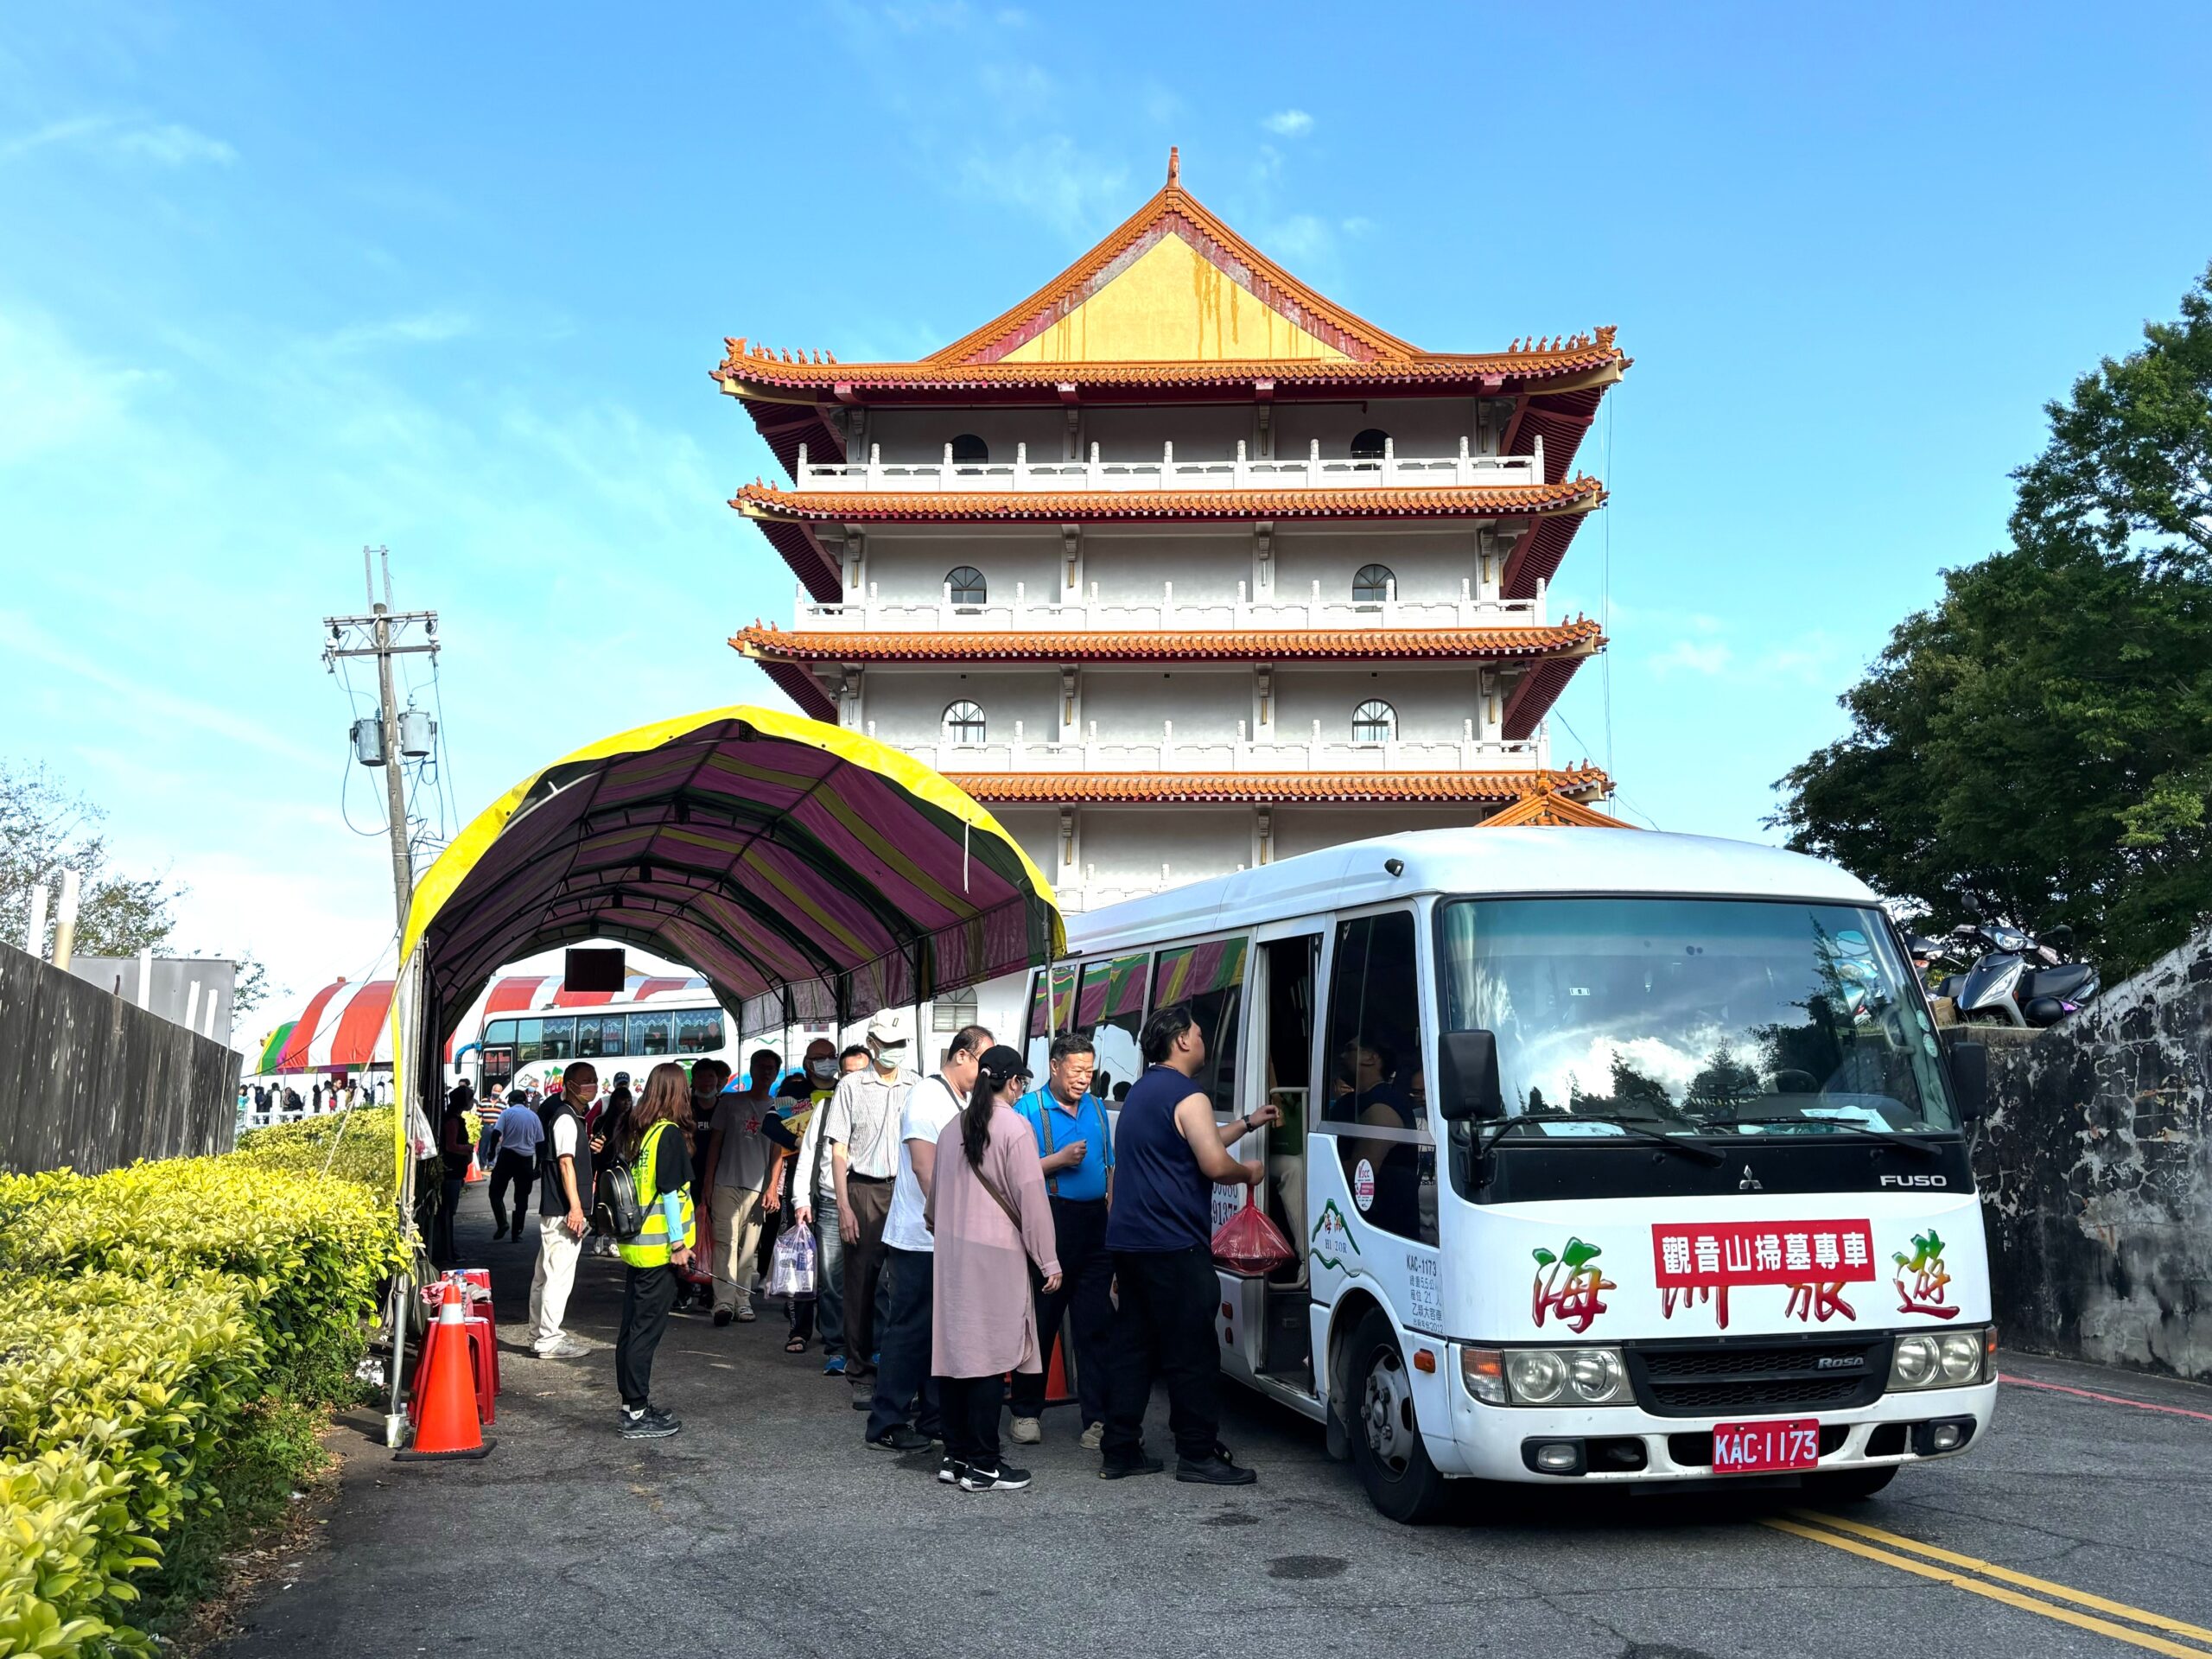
(89, 1081)
(2096, 1175)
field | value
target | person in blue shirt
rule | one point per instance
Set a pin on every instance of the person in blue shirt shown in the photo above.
(1077, 1147)
(1171, 1155)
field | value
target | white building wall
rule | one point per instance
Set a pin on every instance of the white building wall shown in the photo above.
(907, 567)
(1309, 829)
(1431, 703)
(1417, 426)
(907, 704)
(1205, 703)
(1428, 565)
(1131, 845)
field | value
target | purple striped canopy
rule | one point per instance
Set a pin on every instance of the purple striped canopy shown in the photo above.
(808, 872)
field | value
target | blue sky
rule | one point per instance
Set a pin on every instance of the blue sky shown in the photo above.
(276, 282)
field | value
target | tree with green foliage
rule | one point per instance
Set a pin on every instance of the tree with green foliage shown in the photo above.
(45, 830)
(2038, 745)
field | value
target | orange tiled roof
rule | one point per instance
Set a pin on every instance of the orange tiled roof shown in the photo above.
(771, 502)
(1582, 635)
(1258, 788)
(1543, 806)
(1370, 356)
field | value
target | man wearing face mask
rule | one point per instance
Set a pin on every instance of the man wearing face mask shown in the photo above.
(805, 1176)
(861, 1127)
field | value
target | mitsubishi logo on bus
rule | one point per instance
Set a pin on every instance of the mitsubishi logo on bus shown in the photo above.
(1750, 1183)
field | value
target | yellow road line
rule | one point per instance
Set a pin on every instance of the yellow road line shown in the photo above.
(1990, 1570)
(1994, 1592)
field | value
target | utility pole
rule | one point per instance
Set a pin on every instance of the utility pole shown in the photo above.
(384, 633)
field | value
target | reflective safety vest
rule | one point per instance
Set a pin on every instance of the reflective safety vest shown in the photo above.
(650, 1249)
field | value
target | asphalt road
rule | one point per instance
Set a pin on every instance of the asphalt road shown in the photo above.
(768, 1527)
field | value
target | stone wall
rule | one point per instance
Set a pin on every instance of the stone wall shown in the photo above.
(2096, 1171)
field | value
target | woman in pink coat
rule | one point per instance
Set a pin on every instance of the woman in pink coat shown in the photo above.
(988, 1209)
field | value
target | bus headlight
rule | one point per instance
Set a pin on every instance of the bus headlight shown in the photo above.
(1944, 1359)
(1545, 1376)
(1537, 1375)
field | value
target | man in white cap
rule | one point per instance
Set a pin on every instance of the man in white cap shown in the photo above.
(860, 1127)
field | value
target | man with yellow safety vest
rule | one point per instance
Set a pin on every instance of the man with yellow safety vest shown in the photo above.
(656, 1143)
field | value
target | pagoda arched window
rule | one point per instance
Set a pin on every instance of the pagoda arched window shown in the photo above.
(1374, 721)
(963, 725)
(967, 585)
(1370, 444)
(1371, 584)
(969, 450)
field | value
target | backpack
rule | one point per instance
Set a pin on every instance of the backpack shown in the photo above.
(617, 1209)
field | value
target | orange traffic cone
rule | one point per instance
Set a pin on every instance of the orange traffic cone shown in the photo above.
(445, 1388)
(1057, 1391)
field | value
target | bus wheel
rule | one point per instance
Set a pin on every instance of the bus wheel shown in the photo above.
(1849, 1486)
(1386, 1444)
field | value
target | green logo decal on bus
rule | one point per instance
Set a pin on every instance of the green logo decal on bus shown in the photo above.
(1332, 1239)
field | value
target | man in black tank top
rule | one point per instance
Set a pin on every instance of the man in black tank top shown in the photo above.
(1169, 1154)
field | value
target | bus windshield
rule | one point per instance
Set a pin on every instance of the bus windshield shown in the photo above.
(1693, 1016)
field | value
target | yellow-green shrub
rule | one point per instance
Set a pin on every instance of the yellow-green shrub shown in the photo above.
(140, 1381)
(56, 1558)
(362, 1138)
(311, 1252)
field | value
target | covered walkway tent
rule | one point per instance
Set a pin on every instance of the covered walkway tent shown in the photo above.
(809, 873)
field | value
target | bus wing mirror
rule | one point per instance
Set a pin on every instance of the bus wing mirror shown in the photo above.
(1969, 1067)
(1470, 1086)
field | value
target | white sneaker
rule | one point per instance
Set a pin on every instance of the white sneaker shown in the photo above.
(1092, 1435)
(566, 1348)
(1028, 1430)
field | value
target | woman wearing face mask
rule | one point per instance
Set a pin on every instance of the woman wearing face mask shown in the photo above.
(803, 1174)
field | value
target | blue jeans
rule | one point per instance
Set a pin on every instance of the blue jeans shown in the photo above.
(826, 1313)
(905, 1389)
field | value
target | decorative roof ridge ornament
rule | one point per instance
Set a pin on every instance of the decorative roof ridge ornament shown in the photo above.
(1174, 167)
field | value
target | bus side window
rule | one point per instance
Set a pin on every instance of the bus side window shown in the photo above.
(649, 1034)
(1374, 1083)
(1211, 978)
(1110, 1010)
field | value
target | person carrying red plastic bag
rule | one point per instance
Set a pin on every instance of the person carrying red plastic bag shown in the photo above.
(1248, 1243)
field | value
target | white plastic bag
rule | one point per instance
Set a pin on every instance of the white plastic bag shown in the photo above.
(791, 1266)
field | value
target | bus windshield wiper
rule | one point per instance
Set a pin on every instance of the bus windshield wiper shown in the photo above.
(1638, 1128)
(1913, 1144)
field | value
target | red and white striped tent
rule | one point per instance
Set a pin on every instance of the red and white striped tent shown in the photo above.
(348, 1026)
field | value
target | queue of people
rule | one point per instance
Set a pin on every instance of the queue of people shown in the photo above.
(960, 1221)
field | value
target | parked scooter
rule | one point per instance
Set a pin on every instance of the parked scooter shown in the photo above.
(2013, 979)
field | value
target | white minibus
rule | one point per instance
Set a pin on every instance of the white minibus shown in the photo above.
(1608, 1156)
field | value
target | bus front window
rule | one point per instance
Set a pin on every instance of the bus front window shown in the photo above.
(1705, 1017)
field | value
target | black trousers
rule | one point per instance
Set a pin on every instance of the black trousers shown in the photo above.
(869, 1206)
(971, 1405)
(1086, 1291)
(648, 1293)
(906, 1392)
(1164, 1328)
(519, 1171)
(443, 1252)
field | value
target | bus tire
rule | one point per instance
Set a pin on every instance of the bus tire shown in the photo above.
(1849, 1486)
(1386, 1444)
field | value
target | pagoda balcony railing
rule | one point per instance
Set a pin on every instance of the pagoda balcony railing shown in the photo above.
(1278, 753)
(1310, 471)
(1276, 609)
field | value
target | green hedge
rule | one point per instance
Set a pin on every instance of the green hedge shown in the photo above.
(148, 1319)
(362, 1140)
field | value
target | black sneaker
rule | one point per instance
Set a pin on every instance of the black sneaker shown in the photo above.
(1217, 1470)
(950, 1472)
(723, 1315)
(901, 1438)
(1004, 1478)
(1123, 1468)
(650, 1424)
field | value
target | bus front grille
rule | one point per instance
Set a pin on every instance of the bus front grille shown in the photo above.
(1758, 1374)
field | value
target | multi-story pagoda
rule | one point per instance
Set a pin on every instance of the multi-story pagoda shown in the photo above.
(1179, 568)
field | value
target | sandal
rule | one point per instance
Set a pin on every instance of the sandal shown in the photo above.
(795, 1345)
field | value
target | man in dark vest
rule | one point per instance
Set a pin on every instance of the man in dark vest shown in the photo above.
(1169, 1155)
(564, 1188)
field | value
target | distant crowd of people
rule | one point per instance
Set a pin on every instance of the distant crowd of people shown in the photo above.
(959, 1220)
(275, 1100)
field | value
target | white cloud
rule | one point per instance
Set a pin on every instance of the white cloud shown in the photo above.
(165, 143)
(423, 328)
(1289, 123)
(1689, 656)
(52, 395)
(1051, 180)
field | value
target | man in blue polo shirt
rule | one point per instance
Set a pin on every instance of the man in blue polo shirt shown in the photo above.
(1076, 1146)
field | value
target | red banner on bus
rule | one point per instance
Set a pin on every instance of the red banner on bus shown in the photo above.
(1723, 1254)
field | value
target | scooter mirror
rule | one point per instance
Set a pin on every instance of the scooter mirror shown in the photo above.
(2058, 937)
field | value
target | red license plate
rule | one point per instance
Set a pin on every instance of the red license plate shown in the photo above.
(1762, 1448)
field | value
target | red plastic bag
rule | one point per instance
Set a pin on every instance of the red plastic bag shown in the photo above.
(1248, 1243)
